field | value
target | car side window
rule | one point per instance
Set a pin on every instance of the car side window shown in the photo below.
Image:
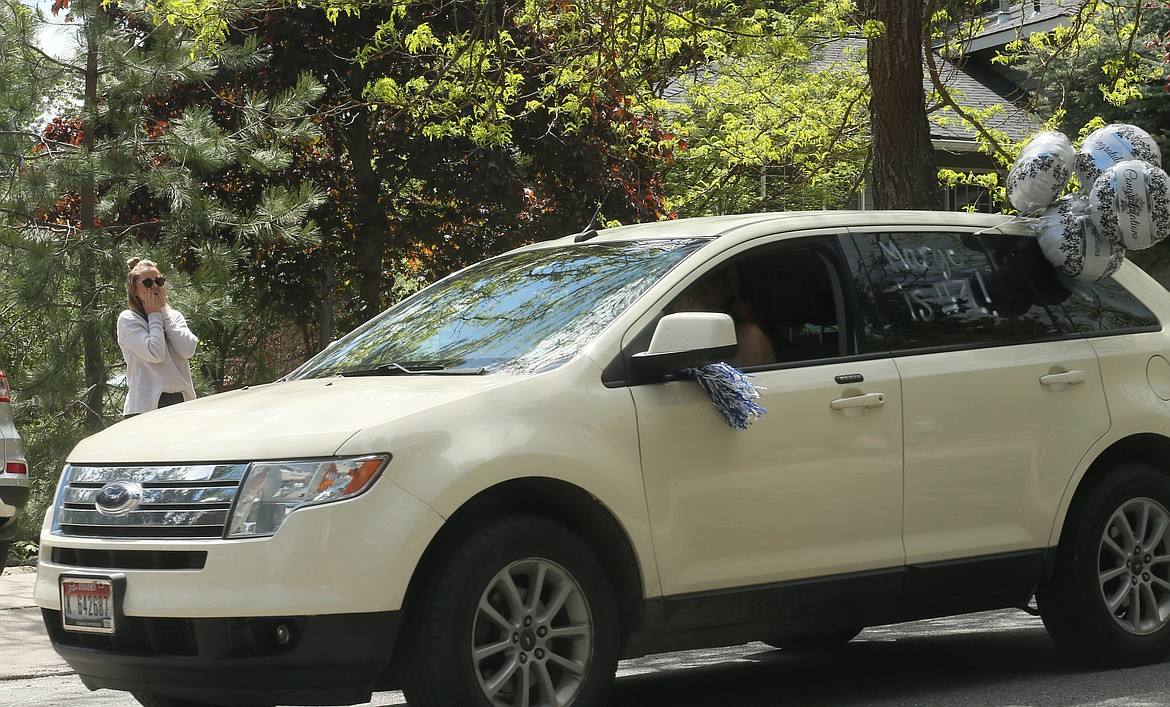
(794, 293)
(932, 290)
(1105, 307)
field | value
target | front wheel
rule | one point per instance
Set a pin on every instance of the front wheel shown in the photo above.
(1108, 601)
(519, 613)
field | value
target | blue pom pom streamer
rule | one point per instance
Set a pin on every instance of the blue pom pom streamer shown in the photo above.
(732, 392)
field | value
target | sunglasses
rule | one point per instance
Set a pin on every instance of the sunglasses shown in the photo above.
(148, 283)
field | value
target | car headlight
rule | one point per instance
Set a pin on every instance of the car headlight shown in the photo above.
(271, 491)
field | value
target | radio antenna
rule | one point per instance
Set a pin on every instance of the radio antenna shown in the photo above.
(589, 231)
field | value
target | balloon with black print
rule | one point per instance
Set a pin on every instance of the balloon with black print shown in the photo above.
(1129, 203)
(1041, 172)
(1105, 147)
(1073, 244)
(1159, 195)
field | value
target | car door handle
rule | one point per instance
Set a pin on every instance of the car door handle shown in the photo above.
(1067, 378)
(868, 400)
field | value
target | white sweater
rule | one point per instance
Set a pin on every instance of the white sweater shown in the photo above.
(157, 350)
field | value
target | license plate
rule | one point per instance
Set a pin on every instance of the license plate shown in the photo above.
(87, 604)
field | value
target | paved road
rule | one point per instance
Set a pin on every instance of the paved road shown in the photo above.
(1000, 659)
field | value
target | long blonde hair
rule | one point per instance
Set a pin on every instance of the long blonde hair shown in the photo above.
(136, 265)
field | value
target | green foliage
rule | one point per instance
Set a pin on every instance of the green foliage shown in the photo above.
(240, 339)
(39, 344)
(487, 77)
(1107, 64)
(24, 551)
(452, 131)
(122, 175)
(780, 123)
(872, 28)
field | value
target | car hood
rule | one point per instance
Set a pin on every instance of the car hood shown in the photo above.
(306, 418)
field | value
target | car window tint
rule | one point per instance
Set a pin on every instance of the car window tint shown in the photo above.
(1105, 306)
(930, 290)
(794, 294)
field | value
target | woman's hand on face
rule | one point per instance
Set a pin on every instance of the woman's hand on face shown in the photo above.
(155, 300)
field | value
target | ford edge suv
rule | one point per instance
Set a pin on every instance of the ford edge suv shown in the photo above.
(495, 489)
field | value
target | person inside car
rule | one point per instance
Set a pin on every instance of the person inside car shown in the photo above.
(713, 294)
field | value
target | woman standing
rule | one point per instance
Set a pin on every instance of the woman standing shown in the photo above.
(155, 341)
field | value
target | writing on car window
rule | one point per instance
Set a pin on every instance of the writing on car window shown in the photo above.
(949, 289)
(946, 285)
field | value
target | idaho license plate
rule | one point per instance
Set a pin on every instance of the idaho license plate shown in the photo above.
(87, 604)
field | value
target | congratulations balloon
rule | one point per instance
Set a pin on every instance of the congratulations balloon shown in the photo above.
(1111, 144)
(1159, 195)
(1075, 246)
(1128, 203)
(1041, 172)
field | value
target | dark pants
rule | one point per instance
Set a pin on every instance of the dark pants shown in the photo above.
(169, 399)
(163, 400)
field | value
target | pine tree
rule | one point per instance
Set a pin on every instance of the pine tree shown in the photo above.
(116, 179)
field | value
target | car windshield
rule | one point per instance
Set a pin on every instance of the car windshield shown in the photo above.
(521, 313)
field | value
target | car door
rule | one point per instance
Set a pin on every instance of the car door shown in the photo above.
(1001, 399)
(813, 488)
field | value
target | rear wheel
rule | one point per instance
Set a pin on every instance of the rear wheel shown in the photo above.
(1108, 601)
(520, 613)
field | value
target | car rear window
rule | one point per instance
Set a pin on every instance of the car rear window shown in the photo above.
(930, 290)
(1105, 307)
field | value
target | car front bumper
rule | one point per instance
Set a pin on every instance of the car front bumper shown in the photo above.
(330, 659)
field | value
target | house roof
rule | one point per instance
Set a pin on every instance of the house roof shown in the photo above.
(981, 91)
(1013, 21)
(975, 89)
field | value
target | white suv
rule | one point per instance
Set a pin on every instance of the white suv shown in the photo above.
(14, 483)
(498, 487)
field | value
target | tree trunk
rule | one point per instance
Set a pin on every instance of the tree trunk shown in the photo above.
(371, 227)
(325, 309)
(89, 290)
(904, 171)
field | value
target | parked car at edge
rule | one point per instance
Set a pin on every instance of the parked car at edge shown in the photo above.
(13, 476)
(494, 490)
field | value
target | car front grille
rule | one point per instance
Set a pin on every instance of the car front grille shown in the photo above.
(176, 501)
(109, 559)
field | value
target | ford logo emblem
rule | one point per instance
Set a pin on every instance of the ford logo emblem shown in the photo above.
(118, 498)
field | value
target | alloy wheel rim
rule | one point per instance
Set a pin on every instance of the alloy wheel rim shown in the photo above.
(532, 637)
(1133, 567)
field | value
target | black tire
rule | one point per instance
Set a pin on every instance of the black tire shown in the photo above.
(1108, 600)
(815, 643)
(468, 645)
(4, 545)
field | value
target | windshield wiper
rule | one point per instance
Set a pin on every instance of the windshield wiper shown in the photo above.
(399, 369)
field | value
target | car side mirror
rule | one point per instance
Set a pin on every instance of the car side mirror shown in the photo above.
(687, 340)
